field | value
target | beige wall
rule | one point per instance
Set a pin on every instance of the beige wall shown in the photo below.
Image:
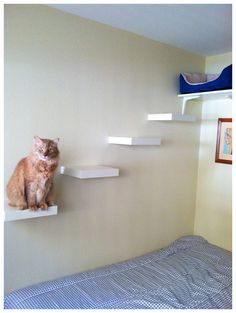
(82, 81)
(213, 218)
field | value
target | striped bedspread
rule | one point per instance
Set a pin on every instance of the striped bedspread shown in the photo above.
(190, 274)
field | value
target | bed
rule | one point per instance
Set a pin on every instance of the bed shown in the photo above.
(193, 83)
(188, 274)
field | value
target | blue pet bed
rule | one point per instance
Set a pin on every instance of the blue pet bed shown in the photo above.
(193, 83)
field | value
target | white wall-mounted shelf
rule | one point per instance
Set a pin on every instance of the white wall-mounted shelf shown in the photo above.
(207, 95)
(13, 214)
(84, 172)
(171, 117)
(135, 141)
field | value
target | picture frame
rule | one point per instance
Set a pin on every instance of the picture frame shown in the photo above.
(224, 141)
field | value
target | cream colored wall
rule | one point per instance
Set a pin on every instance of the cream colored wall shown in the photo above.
(213, 218)
(82, 81)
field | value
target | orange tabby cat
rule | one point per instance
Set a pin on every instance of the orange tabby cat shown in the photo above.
(31, 183)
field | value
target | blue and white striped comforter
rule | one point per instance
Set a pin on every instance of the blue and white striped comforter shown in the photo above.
(190, 274)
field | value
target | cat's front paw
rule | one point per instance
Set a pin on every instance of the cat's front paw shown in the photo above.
(43, 206)
(33, 207)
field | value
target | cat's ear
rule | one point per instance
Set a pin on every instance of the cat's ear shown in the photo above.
(37, 140)
(56, 140)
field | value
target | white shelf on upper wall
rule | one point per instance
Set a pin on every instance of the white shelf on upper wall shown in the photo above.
(13, 214)
(208, 95)
(84, 172)
(135, 141)
(171, 117)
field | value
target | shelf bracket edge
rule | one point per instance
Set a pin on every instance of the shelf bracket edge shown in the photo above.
(185, 100)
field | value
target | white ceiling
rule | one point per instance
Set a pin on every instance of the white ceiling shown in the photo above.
(204, 29)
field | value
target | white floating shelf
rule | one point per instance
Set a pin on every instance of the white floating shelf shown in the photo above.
(171, 117)
(208, 95)
(135, 141)
(84, 172)
(13, 214)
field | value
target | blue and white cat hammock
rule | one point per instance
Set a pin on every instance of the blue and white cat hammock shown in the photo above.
(195, 83)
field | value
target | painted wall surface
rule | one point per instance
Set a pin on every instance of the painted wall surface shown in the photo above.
(213, 218)
(83, 81)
